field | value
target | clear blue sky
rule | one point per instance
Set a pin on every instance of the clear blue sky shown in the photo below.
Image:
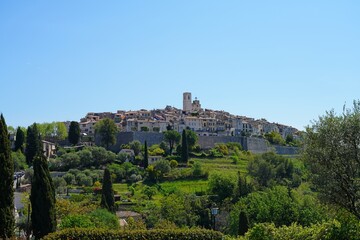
(286, 61)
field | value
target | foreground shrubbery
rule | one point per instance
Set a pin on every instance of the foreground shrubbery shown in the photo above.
(326, 230)
(95, 234)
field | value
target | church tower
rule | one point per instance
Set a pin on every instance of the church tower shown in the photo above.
(187, 102)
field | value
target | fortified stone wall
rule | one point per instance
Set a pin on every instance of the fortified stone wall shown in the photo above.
(126, 137)
(254, 145)
(282, 150)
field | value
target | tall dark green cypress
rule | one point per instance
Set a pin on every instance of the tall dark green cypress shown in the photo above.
(107, 196)
(74, 133)
(146, 156)
(242, 188)
(184, 147)
(43, 215)
(20, 140)
(33, 143)
(7, 219)
(243, 223)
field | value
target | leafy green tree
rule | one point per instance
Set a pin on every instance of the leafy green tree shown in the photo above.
(173, 208)
(191, 138)
(69, 178)
(289, 138)
(106, 129)
(59, 185)
(107, 196)
(19, 161)
(162, 166)
(135, 146)
(184, 148)
(262, 171)
(7, 219)
(53, 130)
(155, 150)
(60, 131)
(146, 157)
(173, 137)
(243, 223)
(33, 143)
(43, 215)
(74, 133)
(221, 185)
(275, 138)
(277, 205)
(331, 150)
(222, 148)
(20, 140)
(149, 192)
(269, 168)
(10, 129)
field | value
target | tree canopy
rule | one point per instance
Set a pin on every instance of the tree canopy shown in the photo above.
(7, 219)
(172, 137)
(184, 147)
(33, 143)
(74, 133)
(107, 196)
(332, 151)
(20, 140)
(54, 130)
(106, 129)
(43, 216)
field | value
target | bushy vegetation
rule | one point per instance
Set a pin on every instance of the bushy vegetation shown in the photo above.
(97, 234)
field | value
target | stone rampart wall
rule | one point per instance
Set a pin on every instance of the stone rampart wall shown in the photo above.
(254, 145)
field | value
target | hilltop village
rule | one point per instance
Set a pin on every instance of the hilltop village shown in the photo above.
(205, 122)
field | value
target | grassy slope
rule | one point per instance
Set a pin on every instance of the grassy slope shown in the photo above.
(223, 165)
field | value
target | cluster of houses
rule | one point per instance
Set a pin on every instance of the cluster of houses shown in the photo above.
(205, 122)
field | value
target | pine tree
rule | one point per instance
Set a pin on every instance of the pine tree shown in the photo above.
(74, 133)
(33, 143)
(43, 215)
(20, 140)
(7, 219)
(146, 157)
(243, 223)
(184, 147)
(107, 196)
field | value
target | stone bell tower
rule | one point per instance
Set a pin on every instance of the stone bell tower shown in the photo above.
(187, 102)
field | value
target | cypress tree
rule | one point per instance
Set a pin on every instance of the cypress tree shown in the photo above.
(243, 223)
(146, 157)
(20, 140)
(43, 216)
(7, 219)
(242, 188)
(107, 196)
(74, 133)
(184, 147)
(33, 143)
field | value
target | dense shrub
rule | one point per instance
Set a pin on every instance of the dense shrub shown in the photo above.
(279, 206)
(97, 234)
(326, 230)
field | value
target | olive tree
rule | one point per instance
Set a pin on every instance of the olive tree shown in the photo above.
(332, 151)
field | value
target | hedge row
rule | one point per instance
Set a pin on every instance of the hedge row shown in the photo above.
(101, 234)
